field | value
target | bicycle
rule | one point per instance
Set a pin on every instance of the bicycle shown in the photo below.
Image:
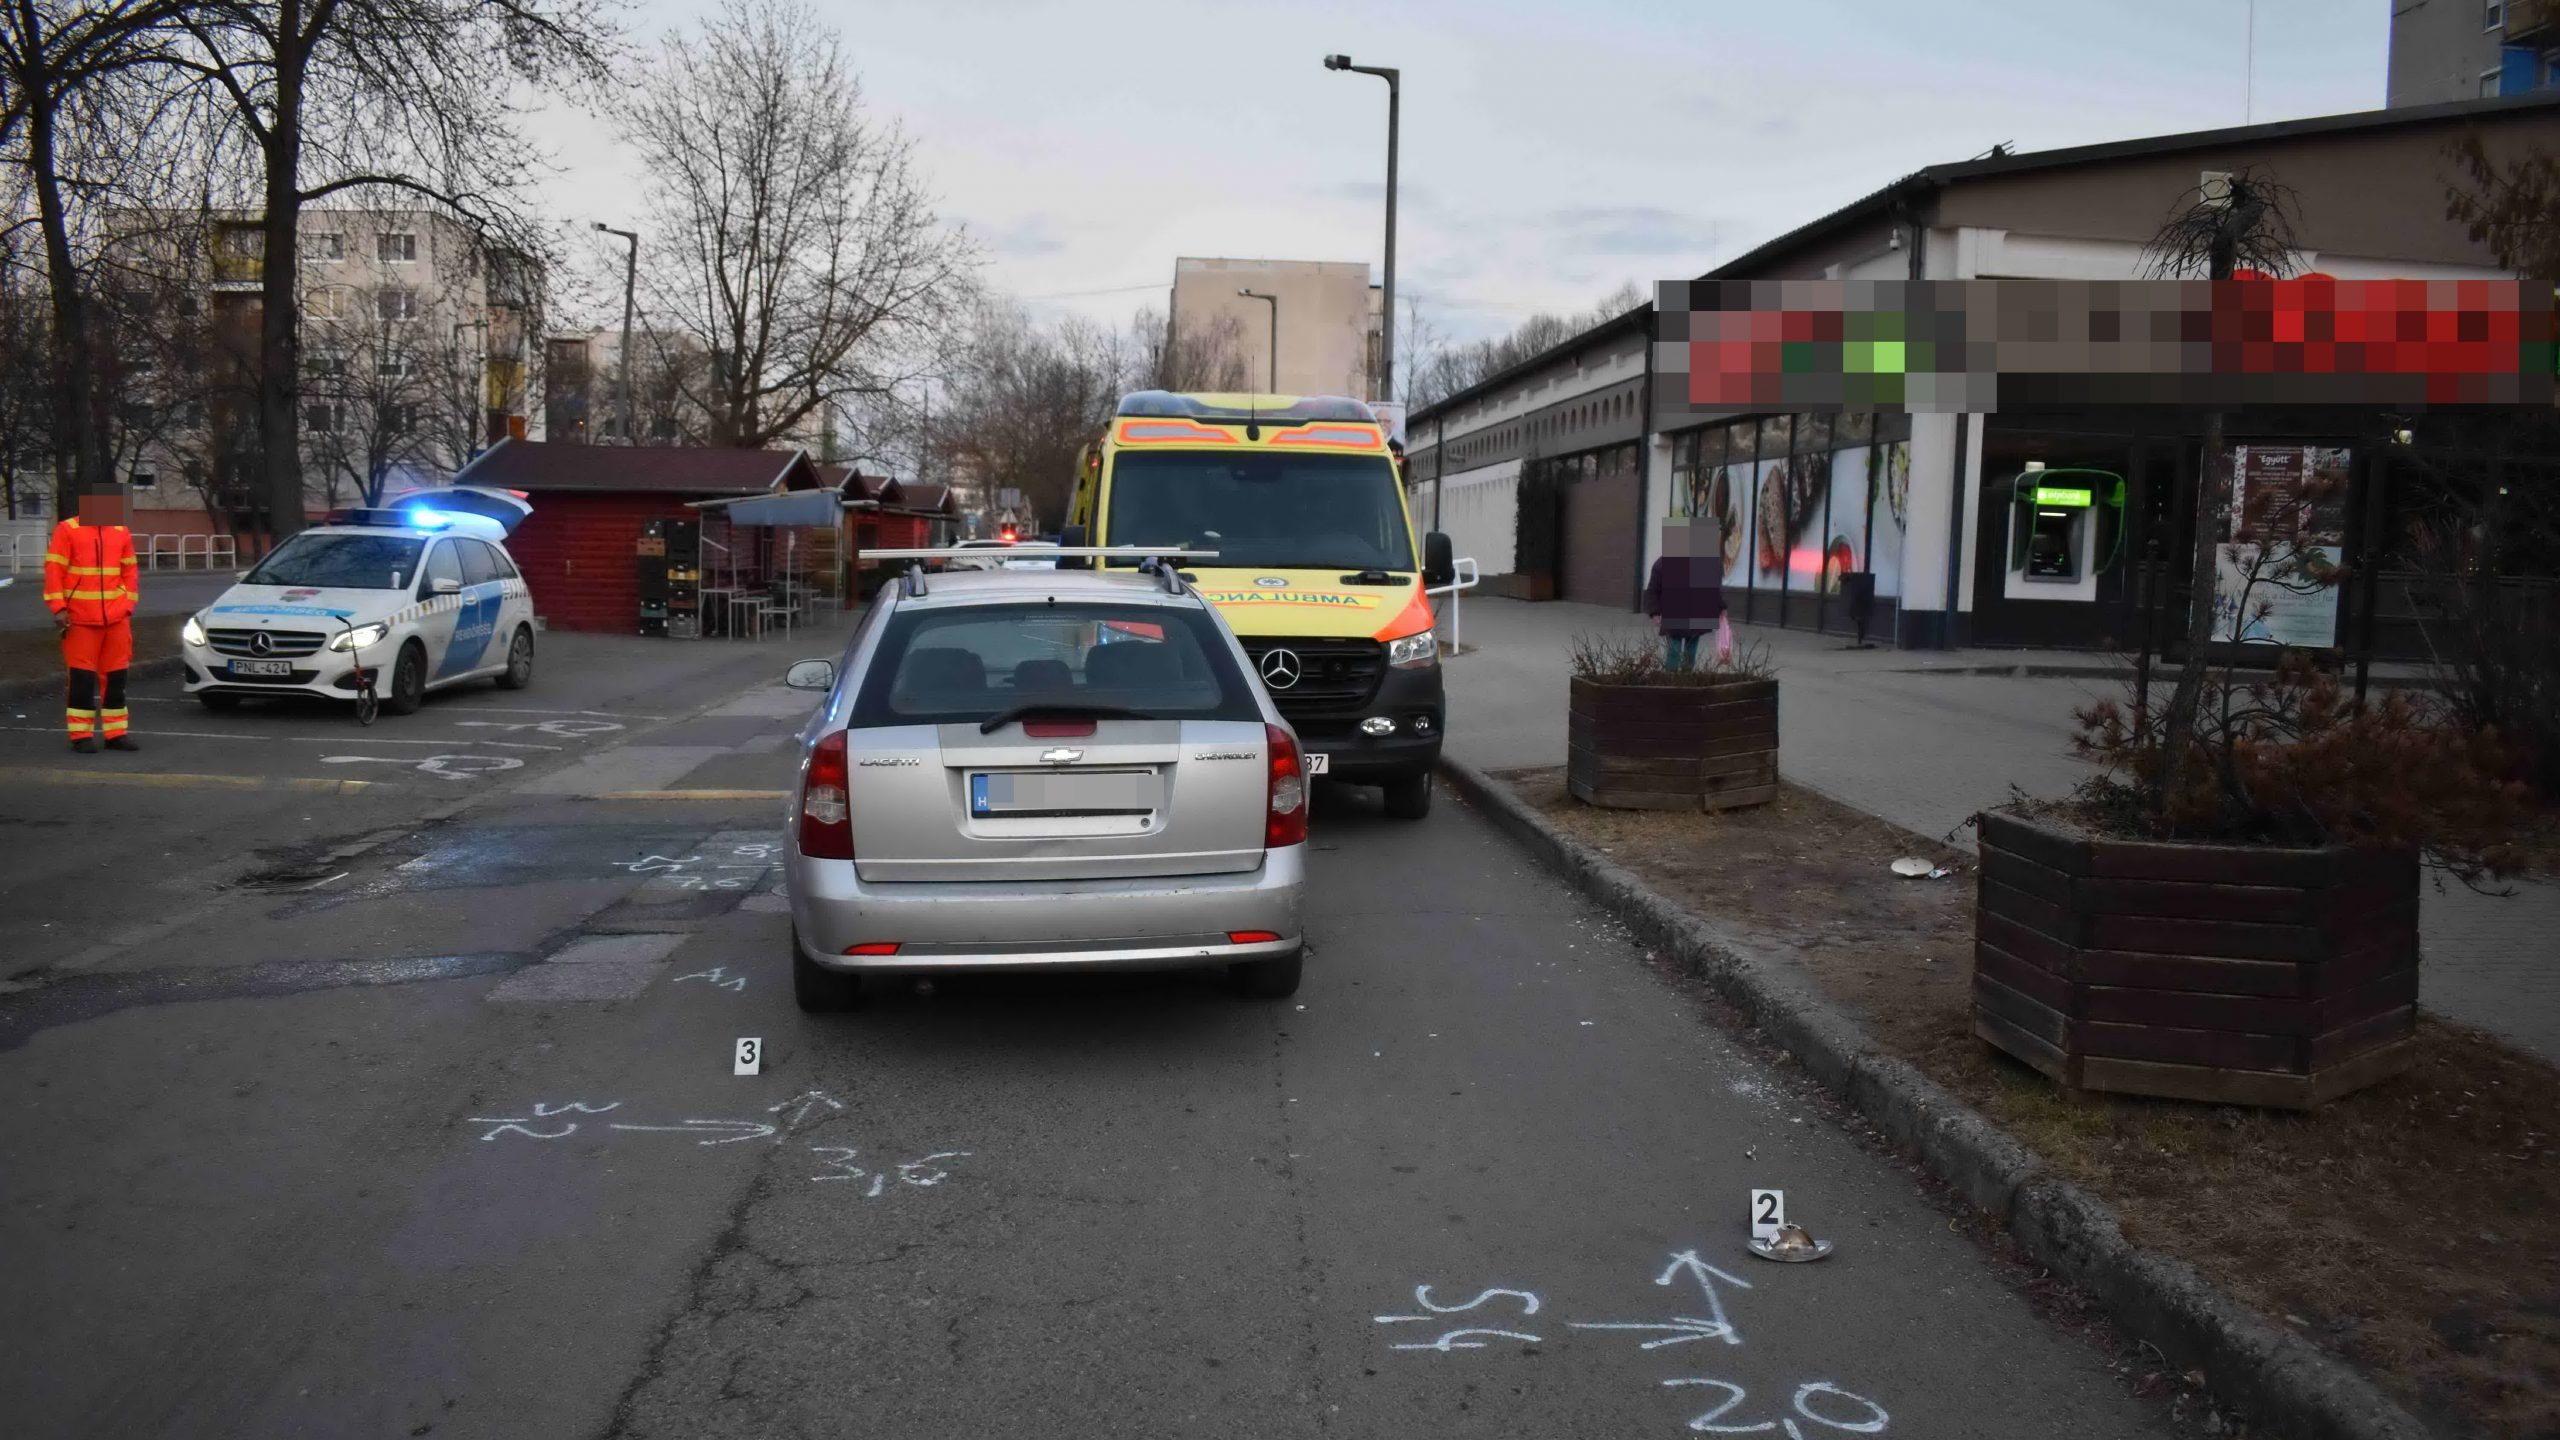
(368, 705)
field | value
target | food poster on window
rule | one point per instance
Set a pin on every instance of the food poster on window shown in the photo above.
(1722, 494)
(2283, 539)
(1790, 521)
(1888, 512)
(1845, 548)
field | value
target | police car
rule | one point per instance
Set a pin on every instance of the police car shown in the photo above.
(423, 593)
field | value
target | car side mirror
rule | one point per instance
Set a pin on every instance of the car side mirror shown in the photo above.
(444, 585)
(1072, 538)
(1439, 563)
(811, 675)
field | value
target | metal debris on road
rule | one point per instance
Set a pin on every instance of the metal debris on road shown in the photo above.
(1794, 1245)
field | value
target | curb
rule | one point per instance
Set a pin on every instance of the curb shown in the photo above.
(20, 692)
(2063, 670)
(2276, 1378)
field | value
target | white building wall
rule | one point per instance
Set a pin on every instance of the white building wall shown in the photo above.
(1479, 513)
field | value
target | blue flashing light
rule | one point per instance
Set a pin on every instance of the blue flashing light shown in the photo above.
(426, 519)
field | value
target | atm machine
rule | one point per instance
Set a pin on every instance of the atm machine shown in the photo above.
(2054, 521)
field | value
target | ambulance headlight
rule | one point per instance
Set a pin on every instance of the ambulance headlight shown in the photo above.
(192, 632)
(359, 637)
(1413, 652)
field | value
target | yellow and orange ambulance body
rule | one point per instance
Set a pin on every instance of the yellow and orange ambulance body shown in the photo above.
(1319, 572)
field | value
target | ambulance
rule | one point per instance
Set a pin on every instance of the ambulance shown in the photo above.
(1319, 570)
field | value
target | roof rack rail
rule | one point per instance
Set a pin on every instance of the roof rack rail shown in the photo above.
(1036, 552)
(913, 582)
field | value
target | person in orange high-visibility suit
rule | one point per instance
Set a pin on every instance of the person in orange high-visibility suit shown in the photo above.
(90, 584)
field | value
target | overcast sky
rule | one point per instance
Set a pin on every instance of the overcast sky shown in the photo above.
(1550, 151)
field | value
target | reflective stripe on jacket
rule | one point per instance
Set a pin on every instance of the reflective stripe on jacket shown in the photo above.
(90, 573)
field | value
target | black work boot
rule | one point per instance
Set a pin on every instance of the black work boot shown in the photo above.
(122, 742)
(86, 745)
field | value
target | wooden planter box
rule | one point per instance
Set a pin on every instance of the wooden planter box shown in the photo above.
(2198, 972)
(1673, 747)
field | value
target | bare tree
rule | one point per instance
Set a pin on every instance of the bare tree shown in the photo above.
(1447, 369)
(2243, 222)
(1024, 401)
(26, 379)
(336, 97)
(71, 109)
(2514, 208)
(794, 242)
(1205, 355)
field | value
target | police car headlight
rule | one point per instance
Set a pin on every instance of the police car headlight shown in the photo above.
(1414, 651)
(192, 632)
(359, 637)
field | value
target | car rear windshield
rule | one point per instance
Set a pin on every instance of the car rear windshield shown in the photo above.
(1263, 509)
(340, 562)
(945, 666)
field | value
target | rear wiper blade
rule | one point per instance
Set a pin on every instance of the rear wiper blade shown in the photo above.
(1002, 718)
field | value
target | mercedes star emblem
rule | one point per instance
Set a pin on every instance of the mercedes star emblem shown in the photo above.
(1060, 756)
(261, 643)
(1281, 668)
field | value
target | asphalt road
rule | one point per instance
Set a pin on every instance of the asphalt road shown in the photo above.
(449, 1144)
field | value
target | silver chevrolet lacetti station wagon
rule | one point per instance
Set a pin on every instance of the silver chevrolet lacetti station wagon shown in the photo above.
(1043, 768)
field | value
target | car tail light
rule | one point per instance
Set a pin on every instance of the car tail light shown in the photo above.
(826, 809)
(1287, 823)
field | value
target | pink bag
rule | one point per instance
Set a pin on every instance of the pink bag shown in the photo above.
(1724, 641)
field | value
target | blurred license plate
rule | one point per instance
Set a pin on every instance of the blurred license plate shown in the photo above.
(1318, 762)
(1099, 792)
(261, 667)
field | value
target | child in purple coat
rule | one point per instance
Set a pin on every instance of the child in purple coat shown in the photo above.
(1685, 592)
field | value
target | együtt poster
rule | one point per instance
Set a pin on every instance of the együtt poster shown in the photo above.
(2283, 541)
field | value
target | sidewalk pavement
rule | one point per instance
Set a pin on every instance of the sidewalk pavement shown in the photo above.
(165, 592)
(1925, 738)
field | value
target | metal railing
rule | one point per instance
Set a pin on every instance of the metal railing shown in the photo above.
(1463, 577)
(190, 552)
(22, 551)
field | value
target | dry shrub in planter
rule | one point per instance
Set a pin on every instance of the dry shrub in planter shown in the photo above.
(2242, 926)
(1646, 737)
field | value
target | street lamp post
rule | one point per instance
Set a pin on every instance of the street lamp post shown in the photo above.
(1272, 378)
(1387, 320)
(630, 270)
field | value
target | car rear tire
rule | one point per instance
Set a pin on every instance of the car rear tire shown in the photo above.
(408, 681)
(519, 671)
(216, 700)
(1270, 979)
(819, 990)
(1410, 797)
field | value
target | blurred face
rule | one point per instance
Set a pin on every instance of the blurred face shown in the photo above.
(104, 510)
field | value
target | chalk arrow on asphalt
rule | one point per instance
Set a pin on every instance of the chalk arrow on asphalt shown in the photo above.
(747, 1129)
(804, 1105)
(1699, 1270)
(1682, 1330)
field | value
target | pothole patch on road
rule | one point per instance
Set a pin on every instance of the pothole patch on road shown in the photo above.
(75, 998)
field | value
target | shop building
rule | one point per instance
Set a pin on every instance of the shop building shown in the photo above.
(1557, 474)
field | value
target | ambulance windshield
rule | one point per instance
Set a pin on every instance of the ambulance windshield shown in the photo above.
(1263, 510)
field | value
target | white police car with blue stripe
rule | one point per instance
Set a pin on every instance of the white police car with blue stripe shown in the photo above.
(423, 594)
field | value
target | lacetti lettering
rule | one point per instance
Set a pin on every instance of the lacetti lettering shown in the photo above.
(1226, 755)
(1320, 599)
